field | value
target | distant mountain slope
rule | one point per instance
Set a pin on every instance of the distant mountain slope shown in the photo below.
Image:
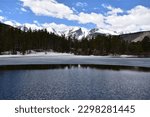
(77, 33)
(5, 27)
(135, 37)
(25, 40)
(100, 31)
(80, 33)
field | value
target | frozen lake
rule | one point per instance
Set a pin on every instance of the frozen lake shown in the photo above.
(71, 59)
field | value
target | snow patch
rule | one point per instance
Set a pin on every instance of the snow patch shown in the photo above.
(33, 53)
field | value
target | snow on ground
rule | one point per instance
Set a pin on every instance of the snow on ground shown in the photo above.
(38, 54)
(127, 56)
(49, 54)
(46, 54)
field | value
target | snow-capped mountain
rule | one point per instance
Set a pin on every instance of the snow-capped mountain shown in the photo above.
(51, 30)
(73, 32)
(97, 31)
(23, 28)
(34, 27)
(77, 33)
(100, 31)
(61, 29)
(80, 33)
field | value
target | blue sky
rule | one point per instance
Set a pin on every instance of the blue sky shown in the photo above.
(108, 14)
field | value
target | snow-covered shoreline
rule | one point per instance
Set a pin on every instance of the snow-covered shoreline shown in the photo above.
(46, 54)
(51, 53)
(64, 54)
(37, 54)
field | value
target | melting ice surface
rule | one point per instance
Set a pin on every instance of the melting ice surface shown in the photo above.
(72, 59)
(75, 81)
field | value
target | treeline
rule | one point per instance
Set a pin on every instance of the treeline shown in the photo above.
(105, 45)
(16, 40)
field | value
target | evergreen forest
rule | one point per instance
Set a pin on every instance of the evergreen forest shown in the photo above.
(16, 40)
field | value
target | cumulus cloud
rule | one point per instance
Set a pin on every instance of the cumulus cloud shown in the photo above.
(48, 8)
(95, 18)
(23, 9)
(117, 19)
(112, 10)
(74, 10)
(134, 20)
(1, 18)
(81, 4)
(36, 22)
(58, 10)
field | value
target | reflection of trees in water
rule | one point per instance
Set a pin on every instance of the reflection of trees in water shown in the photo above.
(72, 66)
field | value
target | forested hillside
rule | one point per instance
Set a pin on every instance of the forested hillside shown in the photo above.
(15, 40)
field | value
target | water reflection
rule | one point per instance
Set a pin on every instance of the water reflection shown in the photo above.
(68, 66)
(74, 82)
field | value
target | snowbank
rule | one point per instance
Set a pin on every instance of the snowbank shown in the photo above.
(38, 54)
(51, 53)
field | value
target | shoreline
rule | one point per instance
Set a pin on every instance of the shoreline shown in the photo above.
(46, 54)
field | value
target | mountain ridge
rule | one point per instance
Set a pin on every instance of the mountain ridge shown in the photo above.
(14, 40)
(79, 33)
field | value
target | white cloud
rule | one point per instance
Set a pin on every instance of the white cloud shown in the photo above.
(116, 19)
(58, 10)
(96, 8)
(48, 8)
(81, 4)
(135, 20)
(23, 9)
(1, 18)
(1, 11)
(74, 10)
(36, 22)
(112, 10)
(95, 18)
